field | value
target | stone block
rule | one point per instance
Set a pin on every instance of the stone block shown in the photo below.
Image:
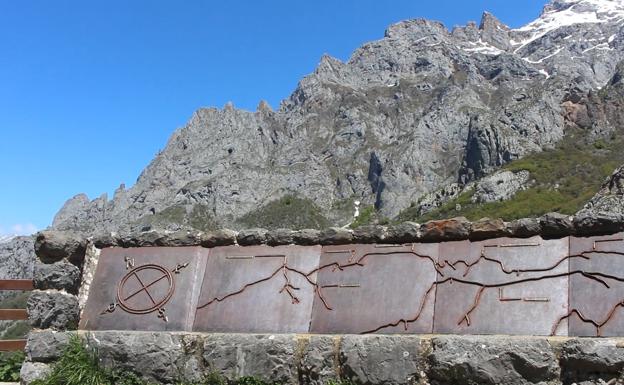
(453, 229)
(377, 359)
(307, 237)
(52, 246)
(268, 357)
(60, 275)
(555, 225)
(492, 361)
(252, 237)
(52, 309)
(46, 345)
(335, 236)
(223, 237)
(279, 237)
(406, 232)
(369, 234)
(592, 360)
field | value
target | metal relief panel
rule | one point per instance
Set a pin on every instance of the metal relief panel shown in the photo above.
(596, 286)
(258, 289)
(152, 289)
(502, 286)
(375, 288)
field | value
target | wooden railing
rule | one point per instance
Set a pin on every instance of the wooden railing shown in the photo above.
(14, 314)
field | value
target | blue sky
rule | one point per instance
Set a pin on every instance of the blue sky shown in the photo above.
(90, 91)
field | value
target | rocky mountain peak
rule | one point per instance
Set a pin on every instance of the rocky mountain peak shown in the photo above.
(6, 238)
(415, 29)
(434, 107)
(560, 14)
(264, 107)
(489, 22)
(600, 7)
(493, 32)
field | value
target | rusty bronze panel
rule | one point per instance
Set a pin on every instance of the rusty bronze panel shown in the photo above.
(375, 288)
(148, 288)
(258, 289)
(597, 291)
(502, 286)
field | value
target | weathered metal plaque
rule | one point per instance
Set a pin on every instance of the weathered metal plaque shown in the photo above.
(596, 286)
(258, 289)
(148, 288)
(375, 288)
(502, 286)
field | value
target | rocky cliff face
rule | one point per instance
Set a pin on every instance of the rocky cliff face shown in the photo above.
(407, 115)
(13, 253)
(610, 199)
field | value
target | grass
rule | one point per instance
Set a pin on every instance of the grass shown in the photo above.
(289, 211)
(368, 215)
(563, 180)
(79, 365)
(10, 365)
(197, 216)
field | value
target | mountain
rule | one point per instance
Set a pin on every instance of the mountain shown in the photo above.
(417, 116)
(6, 238)
(13, 255)
(17, 260)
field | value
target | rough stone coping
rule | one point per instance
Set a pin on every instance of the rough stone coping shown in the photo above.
(549, 226)
(52, 246)
(367, 359)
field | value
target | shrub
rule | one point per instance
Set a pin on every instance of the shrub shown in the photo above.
(563, 180)
(10, 365)
(367, 215)
(287, 212)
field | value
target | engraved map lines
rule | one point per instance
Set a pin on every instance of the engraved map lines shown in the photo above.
(285, 271)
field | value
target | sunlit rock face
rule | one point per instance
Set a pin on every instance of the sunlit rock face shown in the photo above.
(407, 115)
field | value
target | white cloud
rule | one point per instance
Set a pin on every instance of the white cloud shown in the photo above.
(18, 229)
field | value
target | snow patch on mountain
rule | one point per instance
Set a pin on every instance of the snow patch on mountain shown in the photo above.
(544, 58)
(483, 47)
(6, 238)
(562, 13)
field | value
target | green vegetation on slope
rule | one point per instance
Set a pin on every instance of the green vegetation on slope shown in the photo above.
(287, 212)
(17, 329)
(564, 179)
(196, 216)
(16, 301)
(369, 215)
(11, 362)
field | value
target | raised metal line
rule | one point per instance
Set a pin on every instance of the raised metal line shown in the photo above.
(514, 245)
(389, 246)
(536, 299)
(607, 240)
(349, 285)
(270, 256)
(503, 299)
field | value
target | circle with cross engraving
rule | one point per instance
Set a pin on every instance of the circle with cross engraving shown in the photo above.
(145, 289)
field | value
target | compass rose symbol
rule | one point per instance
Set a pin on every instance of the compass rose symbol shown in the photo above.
(145, 289)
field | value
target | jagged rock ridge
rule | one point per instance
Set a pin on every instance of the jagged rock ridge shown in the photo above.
(406, 115)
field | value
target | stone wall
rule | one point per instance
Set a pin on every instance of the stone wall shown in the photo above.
(67, 264)
(165, 358)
